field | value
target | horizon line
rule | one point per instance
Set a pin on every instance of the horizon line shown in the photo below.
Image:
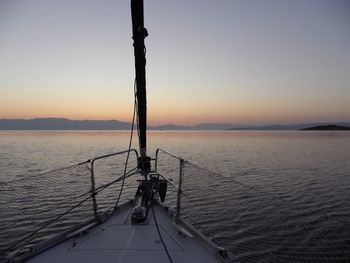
(193, 124)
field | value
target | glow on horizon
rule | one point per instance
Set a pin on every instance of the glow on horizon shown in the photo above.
(240, 62)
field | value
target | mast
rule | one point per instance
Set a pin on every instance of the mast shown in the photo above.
(145, 190)
(139, 35)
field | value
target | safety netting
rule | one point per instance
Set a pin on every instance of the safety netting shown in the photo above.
(253, 225)
(38, 207)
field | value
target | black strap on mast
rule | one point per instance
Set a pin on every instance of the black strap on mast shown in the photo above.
(139, 35)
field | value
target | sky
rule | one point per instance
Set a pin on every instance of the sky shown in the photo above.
(223, 61)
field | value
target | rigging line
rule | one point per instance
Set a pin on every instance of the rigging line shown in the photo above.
(45, 225)
(160, 235)
(102, 187)
(157, 226)
(129, 148)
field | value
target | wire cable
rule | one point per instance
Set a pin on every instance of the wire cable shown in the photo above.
(160, 235)
(129, 148)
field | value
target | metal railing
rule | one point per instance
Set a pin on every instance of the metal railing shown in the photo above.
(58, 201)
(249, 223)
(102, 187)
(176, 176)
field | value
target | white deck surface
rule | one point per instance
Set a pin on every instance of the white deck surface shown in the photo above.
(117, 240)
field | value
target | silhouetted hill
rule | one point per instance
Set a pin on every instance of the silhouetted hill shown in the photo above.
(292, 127)
(62, 124)
(327, 128)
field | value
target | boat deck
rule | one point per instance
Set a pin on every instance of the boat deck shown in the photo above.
(117, 240)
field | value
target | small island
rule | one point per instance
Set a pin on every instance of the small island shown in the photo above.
(327, 128)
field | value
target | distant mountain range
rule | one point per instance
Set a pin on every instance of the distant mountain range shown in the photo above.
(62, 124)
(66, 124)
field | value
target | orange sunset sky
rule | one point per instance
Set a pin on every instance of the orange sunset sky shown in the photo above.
(243, 62)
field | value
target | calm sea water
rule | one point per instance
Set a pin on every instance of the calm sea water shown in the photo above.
(310, 169)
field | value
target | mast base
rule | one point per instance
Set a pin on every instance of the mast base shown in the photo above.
(144, 163)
